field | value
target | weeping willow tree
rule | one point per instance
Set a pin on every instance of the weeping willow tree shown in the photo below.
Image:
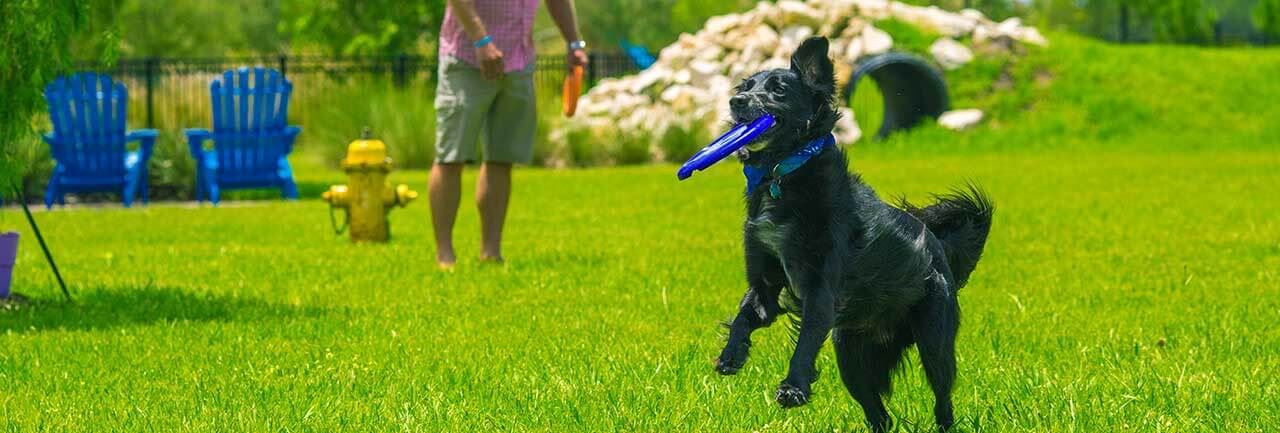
(34, 46)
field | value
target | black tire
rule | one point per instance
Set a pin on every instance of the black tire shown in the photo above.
(913, 89)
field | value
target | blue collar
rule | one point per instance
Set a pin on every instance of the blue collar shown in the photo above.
(756, 174)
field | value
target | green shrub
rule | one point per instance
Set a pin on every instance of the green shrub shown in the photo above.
(908, 37)
(679, 143)
(583, 148)
(402, 117)
(34, 173)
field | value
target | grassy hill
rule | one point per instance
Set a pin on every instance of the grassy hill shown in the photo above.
(1129, 285)
(1082, 95)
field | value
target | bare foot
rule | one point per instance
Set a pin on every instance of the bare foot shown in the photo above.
(491, 259)
(446, 260)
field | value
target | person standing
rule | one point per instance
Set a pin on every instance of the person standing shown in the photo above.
(485, 87)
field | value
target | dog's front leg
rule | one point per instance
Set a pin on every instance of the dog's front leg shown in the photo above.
(818, 316)
(758, 309)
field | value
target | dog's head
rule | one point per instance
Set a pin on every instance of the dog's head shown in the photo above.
(801, 100)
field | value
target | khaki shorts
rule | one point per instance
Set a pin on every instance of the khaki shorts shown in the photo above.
(467, 104)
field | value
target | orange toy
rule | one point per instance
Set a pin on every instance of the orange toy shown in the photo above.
(572, 89)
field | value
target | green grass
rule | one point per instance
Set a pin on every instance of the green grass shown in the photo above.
(1130, 284)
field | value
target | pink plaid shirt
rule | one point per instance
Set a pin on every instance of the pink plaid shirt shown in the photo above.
(509, 22)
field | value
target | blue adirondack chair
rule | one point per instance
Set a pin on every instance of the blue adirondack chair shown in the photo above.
(89, 140)
(251, 136)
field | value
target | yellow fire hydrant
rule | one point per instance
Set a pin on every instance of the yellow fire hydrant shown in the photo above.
(368, 197)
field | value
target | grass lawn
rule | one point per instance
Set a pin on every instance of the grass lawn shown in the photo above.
(1130, 284)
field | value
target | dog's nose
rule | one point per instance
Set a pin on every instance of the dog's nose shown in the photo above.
(738, 102)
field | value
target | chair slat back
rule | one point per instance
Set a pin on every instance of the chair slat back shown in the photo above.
(88, 115)
(250, 111)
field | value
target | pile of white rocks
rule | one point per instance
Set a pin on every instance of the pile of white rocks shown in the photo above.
(690, 85)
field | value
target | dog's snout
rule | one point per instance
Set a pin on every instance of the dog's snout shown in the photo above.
(738, 102)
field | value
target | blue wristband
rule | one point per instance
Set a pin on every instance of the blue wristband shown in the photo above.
(484, 41)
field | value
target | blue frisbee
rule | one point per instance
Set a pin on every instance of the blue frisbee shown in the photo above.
(724, 146)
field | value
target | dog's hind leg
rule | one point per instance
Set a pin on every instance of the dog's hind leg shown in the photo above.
(758, 309)
(935, 325)
(865, 367)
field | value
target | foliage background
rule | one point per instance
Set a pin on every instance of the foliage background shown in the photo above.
(368, 27)
(33, 35)
(105, 29)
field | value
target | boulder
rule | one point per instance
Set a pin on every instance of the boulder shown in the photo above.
(874, 9)
(875, 41)
(1009, 26)
(797, 13)
(690, 85)
(649, 77)
(950, 54)
(703, 71)
(847, 131)
(853, 50)
(791, 39)
(933, 18)
(975, 15)
(722, 24)
(710, 53)
(1031, 35)
(959, 120)
(682, 76)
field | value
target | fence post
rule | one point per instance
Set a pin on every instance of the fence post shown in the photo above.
(593, 62)
(401, 70)
(1124, 23)
(149, 69)
(284, 65)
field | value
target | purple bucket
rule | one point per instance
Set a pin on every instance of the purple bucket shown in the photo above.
(8, 254)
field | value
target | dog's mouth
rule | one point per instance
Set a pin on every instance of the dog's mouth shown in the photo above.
(760, 142)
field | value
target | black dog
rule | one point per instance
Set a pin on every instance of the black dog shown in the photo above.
(820, 244)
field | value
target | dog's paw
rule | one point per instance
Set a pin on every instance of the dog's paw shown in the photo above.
(791, 396)
(732, 358)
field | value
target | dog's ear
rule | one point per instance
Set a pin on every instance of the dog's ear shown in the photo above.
(813, 65)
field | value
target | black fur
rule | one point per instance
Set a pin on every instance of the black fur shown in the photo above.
(839, 258)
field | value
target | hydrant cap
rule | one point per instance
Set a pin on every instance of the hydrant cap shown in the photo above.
(366, 152)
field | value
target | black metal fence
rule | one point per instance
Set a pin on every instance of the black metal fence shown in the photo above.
(174, 92)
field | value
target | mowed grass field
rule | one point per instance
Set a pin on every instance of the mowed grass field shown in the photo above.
(1131, 283)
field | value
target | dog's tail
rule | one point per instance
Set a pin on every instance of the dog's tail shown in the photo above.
(961, 219)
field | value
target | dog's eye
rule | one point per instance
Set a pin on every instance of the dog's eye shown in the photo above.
(776, 88)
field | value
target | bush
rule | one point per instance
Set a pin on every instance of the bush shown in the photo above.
(34, 174)
(402, 117)
(679, 143)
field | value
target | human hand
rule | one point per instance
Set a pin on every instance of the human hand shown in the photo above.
(577, 57)
(492, 66)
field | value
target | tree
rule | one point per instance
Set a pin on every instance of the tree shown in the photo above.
(361, 27)
(1184, 21)
(208, 29)
(34, 48)
(1266, 17)
(639, 21)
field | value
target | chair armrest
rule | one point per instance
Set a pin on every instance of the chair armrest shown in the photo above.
(195, 140)
(55, 150)
(142, 134)
(291, 133)
(146, 138)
